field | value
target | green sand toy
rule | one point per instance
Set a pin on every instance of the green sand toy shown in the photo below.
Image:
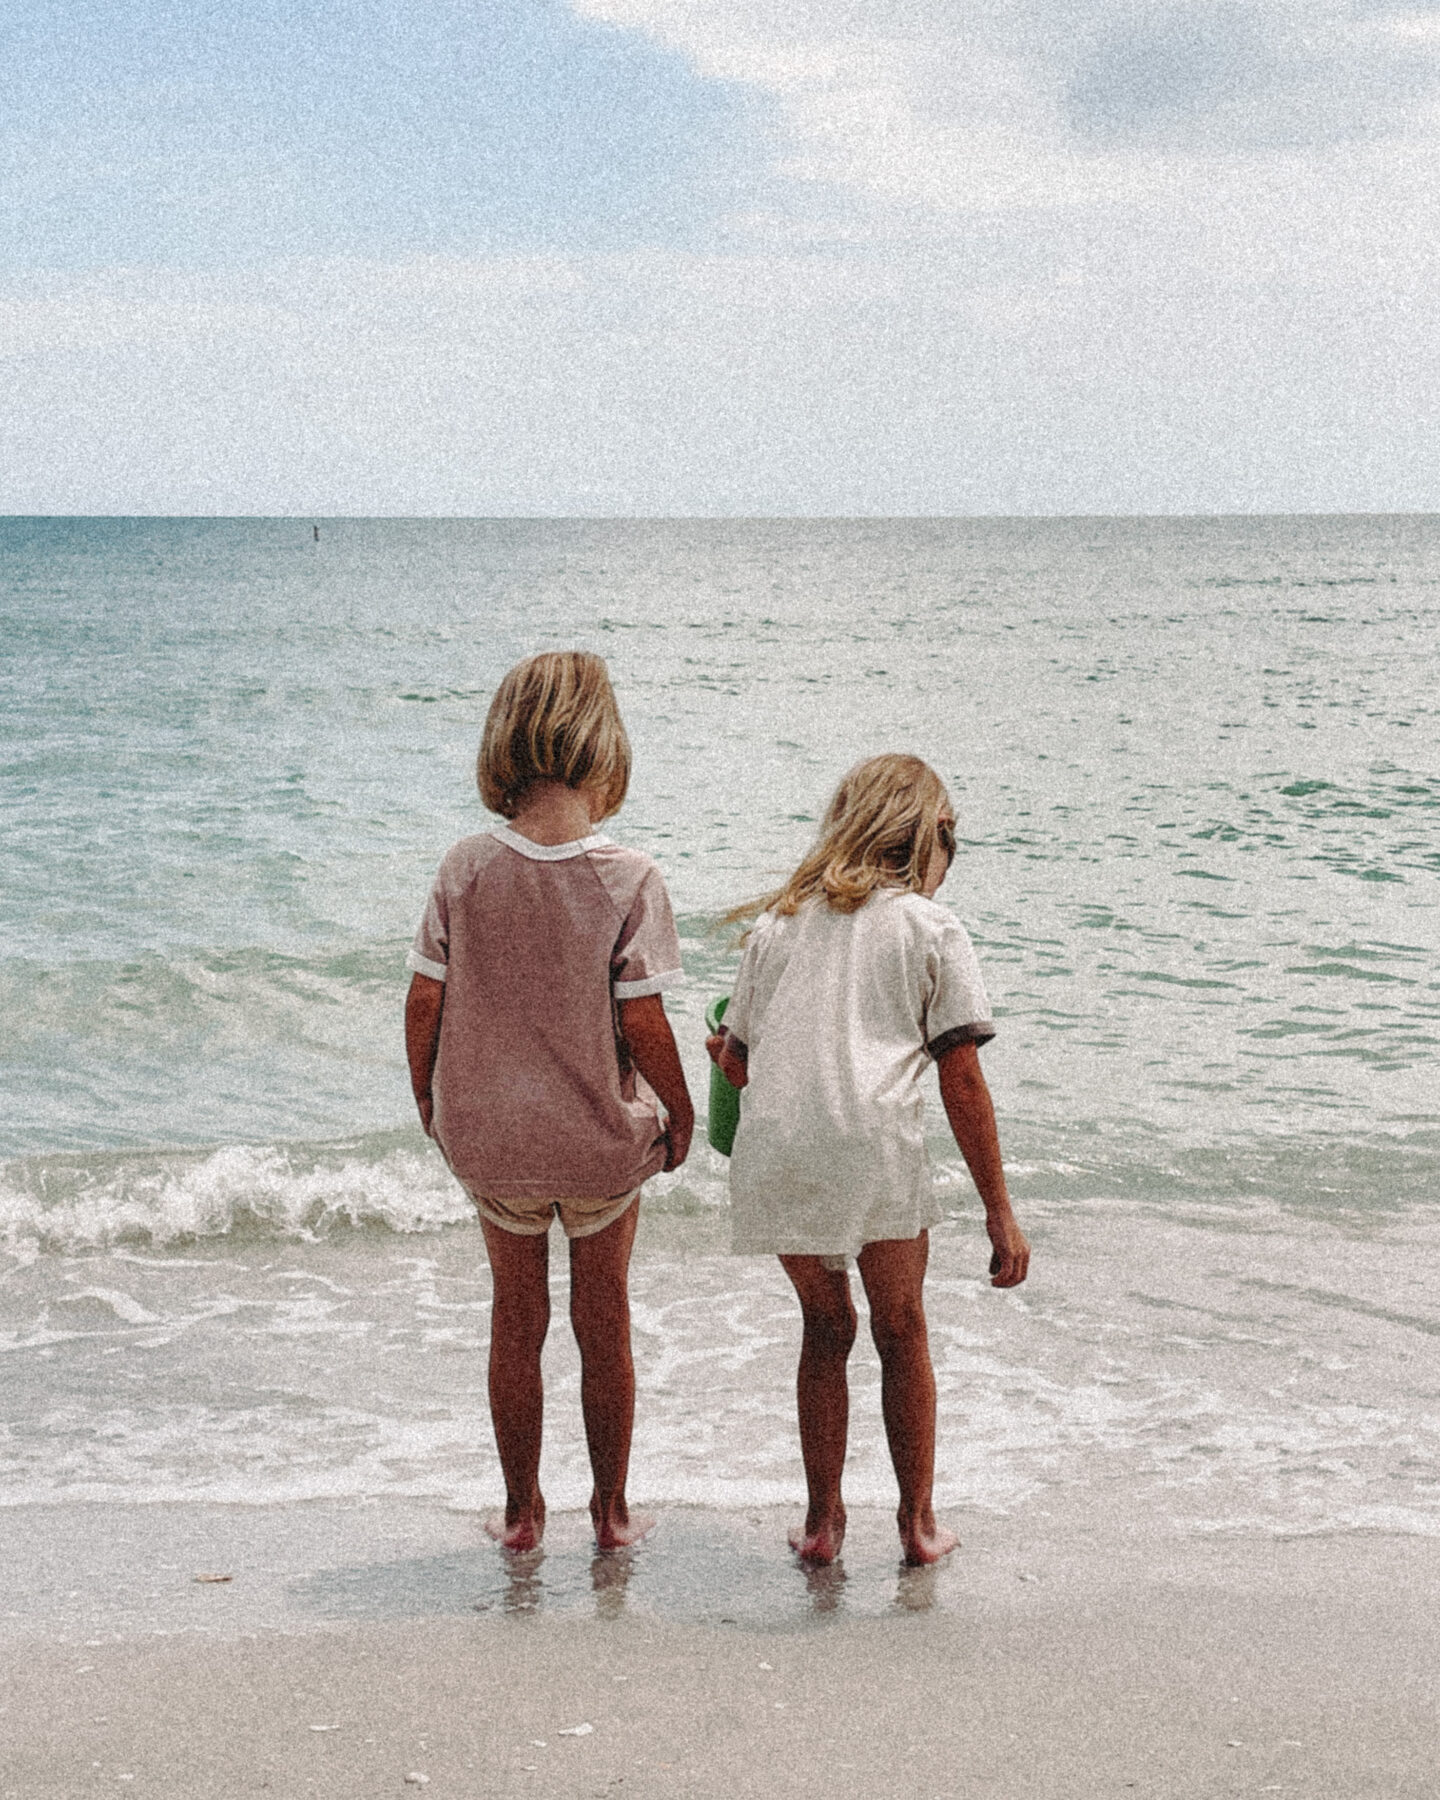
(724, 1099)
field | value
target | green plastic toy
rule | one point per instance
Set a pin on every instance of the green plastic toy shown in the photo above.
(724, 1099)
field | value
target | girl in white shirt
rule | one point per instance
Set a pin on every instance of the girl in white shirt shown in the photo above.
(852, 983)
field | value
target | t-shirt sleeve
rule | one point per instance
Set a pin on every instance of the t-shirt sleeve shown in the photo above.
(430, 952)
(737, 1011)
(957, 1008)
(646, 957)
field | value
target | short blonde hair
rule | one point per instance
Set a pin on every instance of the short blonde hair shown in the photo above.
(879, 831)
(553, 718)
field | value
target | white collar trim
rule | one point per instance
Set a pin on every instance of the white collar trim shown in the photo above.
(547, 852)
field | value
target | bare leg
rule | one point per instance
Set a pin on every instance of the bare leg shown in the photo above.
(600, 1313)
(519, 1319)
(822, 1395)
(893, 1271)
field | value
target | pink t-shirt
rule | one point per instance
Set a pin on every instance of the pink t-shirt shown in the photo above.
(535, 1093)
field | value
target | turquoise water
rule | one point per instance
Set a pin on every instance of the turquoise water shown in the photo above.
(1197, 764)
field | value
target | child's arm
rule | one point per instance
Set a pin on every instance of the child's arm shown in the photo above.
(423, 1006)
(972, 1119)
(646, 1030)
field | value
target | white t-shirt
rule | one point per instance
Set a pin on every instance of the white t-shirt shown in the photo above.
(841, 1014)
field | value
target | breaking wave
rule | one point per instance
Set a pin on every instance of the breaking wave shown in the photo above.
(390, 1182)
(61, 1203)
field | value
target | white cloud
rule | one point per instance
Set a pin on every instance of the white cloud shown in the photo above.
(984, 288)
(1412, 27)
(1025, 103)
(1156, 371)
(871, 98)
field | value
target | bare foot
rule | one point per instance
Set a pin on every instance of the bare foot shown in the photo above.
(820, 1538)
(621, 1529)
(520, 1532)
(926, 1542)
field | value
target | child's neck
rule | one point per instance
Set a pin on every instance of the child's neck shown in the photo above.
(552, 813)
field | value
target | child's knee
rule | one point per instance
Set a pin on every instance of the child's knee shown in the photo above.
(600, 1311)
(898, 1327)
(831, 1328)
(521, 1321)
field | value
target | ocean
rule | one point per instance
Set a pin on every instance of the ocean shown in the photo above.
(1197, 770)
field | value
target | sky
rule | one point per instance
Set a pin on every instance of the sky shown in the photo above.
(719, 257)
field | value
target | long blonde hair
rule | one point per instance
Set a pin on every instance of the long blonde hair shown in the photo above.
(553, 718)
(879, 831)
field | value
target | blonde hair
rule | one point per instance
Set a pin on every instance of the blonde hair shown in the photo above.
(879, 831)
(553, 718)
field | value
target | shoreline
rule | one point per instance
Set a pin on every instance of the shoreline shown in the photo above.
(1054, 1656)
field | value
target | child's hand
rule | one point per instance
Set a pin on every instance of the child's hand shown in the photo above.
(732, 1063)
(678, 1133)
(1010, 1263)
(426, 1104)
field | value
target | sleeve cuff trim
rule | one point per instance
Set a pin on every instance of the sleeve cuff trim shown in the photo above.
(422, 965)
(979, 1031)
(650, 984)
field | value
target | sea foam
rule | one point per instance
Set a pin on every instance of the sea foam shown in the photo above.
(296, 1192)
(70, 1203)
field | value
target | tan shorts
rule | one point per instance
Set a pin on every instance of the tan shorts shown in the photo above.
(533, 1217)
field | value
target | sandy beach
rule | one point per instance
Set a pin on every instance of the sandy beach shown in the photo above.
(1094, 1654)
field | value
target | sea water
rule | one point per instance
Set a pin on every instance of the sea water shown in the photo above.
(1197, 776)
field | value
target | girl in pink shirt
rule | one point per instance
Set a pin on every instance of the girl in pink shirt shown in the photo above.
(542, 1061)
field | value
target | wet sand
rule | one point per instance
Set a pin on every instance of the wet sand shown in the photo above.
(1071, 1657)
